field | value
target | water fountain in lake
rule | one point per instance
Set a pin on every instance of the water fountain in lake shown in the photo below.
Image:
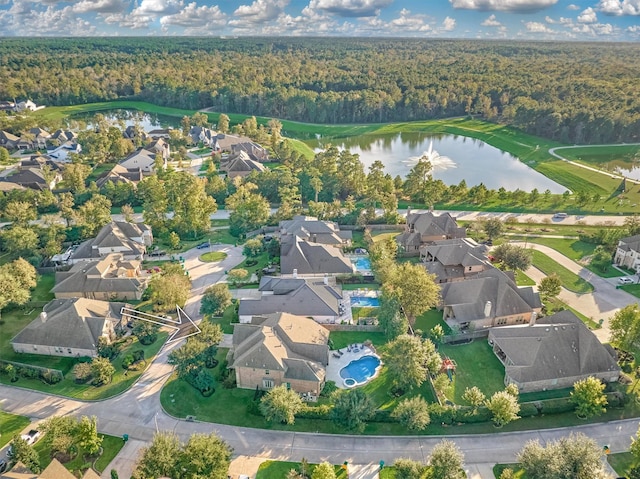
(438, 162)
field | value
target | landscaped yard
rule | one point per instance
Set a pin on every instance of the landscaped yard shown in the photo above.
(213, 256)
(622, 463)
(523, 280)
(477, 366)
(570, 280)
(426, 321)
(280, 469)
(633, 289)
(227, 320)
(11, 424)
(341, 339)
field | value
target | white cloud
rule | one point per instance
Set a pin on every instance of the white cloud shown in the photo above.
(350, 8)
(448, 24)
(504, 5)
(260, 11)
(100, 6)
(573, 6)
(491, 22)
(196, 20)
(26, 19)
(405, 22)
(619, 7)
(594, 29)
(634, 29)
(537, 27)
(158, 7)
(588, 16)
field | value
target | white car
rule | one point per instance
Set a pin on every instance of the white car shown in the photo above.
(625, 280)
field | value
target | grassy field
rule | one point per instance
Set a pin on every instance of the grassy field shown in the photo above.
(622, 463)
(604, 157)
(570, 280)
(11, 424)
(477, 366)
(213, 256)
(279, 470)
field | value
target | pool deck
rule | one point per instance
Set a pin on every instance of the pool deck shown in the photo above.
(336, 364)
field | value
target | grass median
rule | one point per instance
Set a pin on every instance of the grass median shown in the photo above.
(570, 281)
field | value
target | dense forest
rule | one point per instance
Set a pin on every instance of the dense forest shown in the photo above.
(571, 92)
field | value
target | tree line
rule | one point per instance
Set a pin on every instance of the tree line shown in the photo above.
(572, 92)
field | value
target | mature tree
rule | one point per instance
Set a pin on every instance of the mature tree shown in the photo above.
(507, 474)
(413, 413)
(625, 327)
(589, 397)
(413, 288)
(127, 213)
(169, 288)
(102, 371)
(5, 157)
(145, 331)
(20, 240)
(442, 385)
(409, 469)
(82, 372)
(512, 256)
(174, 240)
(409, 360)
(160, 458)
(632, 225)
(474, 396)
(216, 299)
(324, 470)
(573, 457)
(249, 210)
(204, 456)
(16, 281)
(634, 449)
(192, 206)
(391, 319)
(383, 259)
(550, 286)
(22, 452)
(493, 227)
(281, 404)
(446, 461)
(20, 212)
(436, 333)
(238, 275)
(223, 123)
(601, 258)
(87, 434)
(253, 247)
(352, 409)
(75, 175)
(93, 215)
(504, 407)
(155, 202)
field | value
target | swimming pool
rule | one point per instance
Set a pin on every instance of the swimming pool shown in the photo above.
(362, 263)
(364, 301)
(359, 371)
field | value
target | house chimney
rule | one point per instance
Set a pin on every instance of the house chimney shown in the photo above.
(487, 309)
(326, 280)
(534, 317)
(43, 316)
(295, 272)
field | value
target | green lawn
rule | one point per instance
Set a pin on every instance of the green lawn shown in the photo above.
(519, 473)
(213, 256)
(111, 446)
(387, 472)
(279, 470)
(523, 280)
(622, 462)
(341, 339)
(226, 321)
(10, 425)
(354, 286)
(477, 366)
(570, 280)
(633, 289)
(426, 321)
(382, 235)
(572, 248)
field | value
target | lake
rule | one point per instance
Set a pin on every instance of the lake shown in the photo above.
(453, 157)
(148, 121)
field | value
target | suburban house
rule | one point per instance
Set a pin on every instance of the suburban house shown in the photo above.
(204, 135)
(301, 257)
(455, 259)
(34, 175)
(491, 298)
(55, 470)
(277, 349)
(239, 164)
(252, 149)
(160, 133)
(425, 228)
(28, 105)
(9, 140)
(552, 353)
(62, 136)
(111, 278)
(317, 298)
(313, 230)
(159, 146)
(61, 153)
(40, 137)
(129, 239)
(120, 174)
(224, 142)
(136, 133)
(142, 159)
(70, 327)
(628, 253)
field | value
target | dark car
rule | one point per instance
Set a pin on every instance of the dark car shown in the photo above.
(3, 466)
(204, 245)
(158, 252)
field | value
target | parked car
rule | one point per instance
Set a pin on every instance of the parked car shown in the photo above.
(560, 216)
(625, 280)
(3, 466)
(204, 245)
(32, 436)
(158, 252)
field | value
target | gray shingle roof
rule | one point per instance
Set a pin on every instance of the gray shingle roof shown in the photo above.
(305, 297)
(630, 243)
(311, 258)
(557, 346)
(429, 224)
(70, 323)
(115, 234)
(310, 228)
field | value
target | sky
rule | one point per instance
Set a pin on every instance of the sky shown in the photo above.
(573, 20)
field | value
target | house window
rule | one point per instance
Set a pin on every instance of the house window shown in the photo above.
(69, 351)
(268, 383)
(35, 347)
(501, 321)
(266, 371)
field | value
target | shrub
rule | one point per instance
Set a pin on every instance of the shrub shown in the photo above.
(138, 355)
(127, 361)
(51, 376)
(328, 389)
(557, 406)
(82, 372)
(322, 411)
(114, 474)
(441, 414)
